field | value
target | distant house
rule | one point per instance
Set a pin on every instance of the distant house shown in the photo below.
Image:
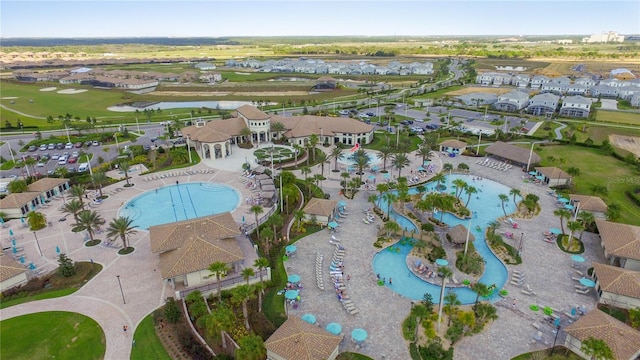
(553, 87)
(592, 204)
(538, 80)
(521, 81)
(210, 77)
(296, 339)
(512, 153)
(49, 187)
(17, 205)
(512, 101)
(325, 83)
(575, 106)
(620, 243)
(616, 286)
(12, 273)
(322, 210)
(554, 176)
(478, 99)
(604, 91)
(204, 66)
(577, 89)
(453, 146)
(543, 104)
(622, 339)
(586, 81)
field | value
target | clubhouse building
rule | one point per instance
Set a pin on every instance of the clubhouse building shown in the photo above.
(214, 139)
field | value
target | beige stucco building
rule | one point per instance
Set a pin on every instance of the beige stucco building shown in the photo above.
(12, 273)
(322, 209)
(616, 286)
(296, 339)
(621, 244)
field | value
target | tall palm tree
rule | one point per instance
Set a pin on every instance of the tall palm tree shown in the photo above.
(400, 161)
(278, 128)
(36, 220)
(121, 227)
(221, 320)
(296, 150)
(503, 199)
(99, 178)
(573, 226)
(361, 161)
(246, 135)
(322, 159)
(305, 171)
(439, 179)
(313, 142)
(219, 269)
(257, 210)
(384, 155)
(73, 207)
(460, 186)
(597, 349)
(390, 198)
(298, 215)
(446, 274)
(562, 214)
(514, 193)
(336, 155)
(247, 273)
(586, 218)
(77, 191)
(251, 347)
(470, 190)
(452, 302)
(261, 264)
(242, 294)
(381, 188)
(88, 220)
(423, 151)
(481, 290)
(125, 167)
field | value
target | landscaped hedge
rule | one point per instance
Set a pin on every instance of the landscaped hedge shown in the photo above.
(634, 195)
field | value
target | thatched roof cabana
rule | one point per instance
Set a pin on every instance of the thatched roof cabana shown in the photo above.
(458, 234)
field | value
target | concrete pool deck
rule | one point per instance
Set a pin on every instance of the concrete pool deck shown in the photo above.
(381, 311)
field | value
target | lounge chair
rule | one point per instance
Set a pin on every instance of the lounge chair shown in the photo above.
(585, 291)
(365, 221)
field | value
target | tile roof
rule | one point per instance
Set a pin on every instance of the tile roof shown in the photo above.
(589, 203)
(215, 130)
(553, 172)
(620, 239)
(46, 184)
(252, 113)
(512, 152)
(174, 235)
(623, 340)
(301, 126)
(321, 207)
(9, 267)
(617, 280)
(299, 340)
(18, 200)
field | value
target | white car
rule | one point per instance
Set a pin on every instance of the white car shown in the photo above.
(343, 112)
(68, 146)
(419, 120)
(55, 156)
(62, 161)
(40, 164)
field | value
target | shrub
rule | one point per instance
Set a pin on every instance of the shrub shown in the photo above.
(427, 227)
(436, 253)
(66, 267)
(172, 311)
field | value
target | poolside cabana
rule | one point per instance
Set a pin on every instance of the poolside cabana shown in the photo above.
(620, 243)
(553, 176)
(616, 286)
(12, 273)
(49, 187)
(17, 205)
(622, 339)
(453, 147)
(512, 153)
(592, 204)
(322, 210)
(296, 339)
(458, 234)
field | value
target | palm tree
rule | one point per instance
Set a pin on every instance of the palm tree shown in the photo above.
(562, 214)
(336, 155)
(361, 161)
(438, 178)
(296, 150)
(242, 294)
(261, 263)
(88, 220)
(36, 220)
(251, 347)
(514, 193)
(460, 186)
(424, 152)
(99, 178)
(573, 171)
(247, 273)
(221, 320)
(470, 190)
(274, 221)
(381, 188)
(313, 142)
(399, 161)
(345, 177)
(446, 274)
(613, 212)
(278, 128)
(298, 215)
(573, 226)
(125, 167)
(257, 210)
(597, 349)
(384, 154)
(77, 191)
(503, 198)
(73, 207)
(219, 269)
(122, 227)
(389, 197)
(451, 299)
(246, 135)
(305, 170)
(586, 218)
(481, 290)
(322, 159)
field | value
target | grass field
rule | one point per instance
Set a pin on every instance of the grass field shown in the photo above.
(598, 133)
(147, 344)
(618, 117)
(597, 168)
(51, 335)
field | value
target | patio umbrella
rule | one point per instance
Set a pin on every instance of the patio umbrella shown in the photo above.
(555, 231)
(58, 250)
(547, 310)
(587, 282)
(332, 224)
(294, 278)
(10, 232)
(577, 258)
(359, 334)
(310, 318)
(374, 168)
(418, 263)
(14, 250)
(569, 207)
(21, 259)
(387, 176)
(334, 328)
(421, 168)
(32, 266)
(564, 200)
(372, 176)
(13, 242)
(342, 203)
(442, 262)
(22, 219)
(243, 219)
(540, 177)
(532, 172)
(291, 248)
(1, 220)
(291, 294)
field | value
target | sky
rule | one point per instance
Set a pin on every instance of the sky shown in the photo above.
(217, 18)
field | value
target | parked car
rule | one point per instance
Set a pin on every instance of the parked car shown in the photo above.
(68, 146)
(62, 161)
(51, 147)
(78, 144)
(371, 113)
(95, 143)
(32, 148)
(343, 112)
(43, 147)
(75, 154)
(72, 160)
(71, 169)
(40, 164)
(59, 146)
(55, 156)
(87, 143)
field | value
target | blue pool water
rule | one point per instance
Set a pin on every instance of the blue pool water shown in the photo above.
(180, 202)
(372, 155)
(486, 207)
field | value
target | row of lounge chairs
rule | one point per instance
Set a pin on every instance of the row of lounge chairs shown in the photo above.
(337, 277)
(177, 173)
(500, 166)
(319, 277)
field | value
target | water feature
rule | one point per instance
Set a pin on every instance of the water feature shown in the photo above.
(486, 208)
(347, 158)
(164, 105)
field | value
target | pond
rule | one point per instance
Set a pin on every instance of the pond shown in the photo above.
(164, 105)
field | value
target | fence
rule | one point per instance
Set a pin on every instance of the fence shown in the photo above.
(226, 283)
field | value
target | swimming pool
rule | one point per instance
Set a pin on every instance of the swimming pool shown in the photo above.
(372, 155)
(393, 264)
(180, 202)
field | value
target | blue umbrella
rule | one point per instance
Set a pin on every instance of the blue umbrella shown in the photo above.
(374, 168)
(32, 266)
(310, 318)
(291, 248)
(291, 294)
(342, 203)
(332, 224)
(569, 207)
(540, 177)
(294, 278)
(387, 176)
(10, 232)
(556, 322)
(418, 262)
(14, 250)
(442, 262)
(587, 282)
(532, 172)
(21, 259)
(421, 168)
(22, 219)
(555, 231)
(577, 258)
(57, 249)
(564, 200)
(359, 334)
(1, 220)
(334, 328)
(243, 219)
(13, 242)
(372, 176)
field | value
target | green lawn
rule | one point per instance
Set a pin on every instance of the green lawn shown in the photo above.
(597, 168)
(45, 295)
(617, 117)
(51, 335)
(147, 344)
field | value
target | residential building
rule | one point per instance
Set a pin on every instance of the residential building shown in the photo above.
(553, 176)
(478, 99)
(620, 243)
(576, 89)
(453, 146)
(322, 211)
(586, 81)
(204, 66)
(609, 36)
(593, 204)
(575, 106)
(538, 80)
(522, 81)
(542, 104)
(512, 101)
(616, 286)
(296, 339)
(605, 91)
(12, 273)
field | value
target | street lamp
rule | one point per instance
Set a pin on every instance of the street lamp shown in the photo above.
(121, 292)
(37, 243)
(520, 245)
(556, 338)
